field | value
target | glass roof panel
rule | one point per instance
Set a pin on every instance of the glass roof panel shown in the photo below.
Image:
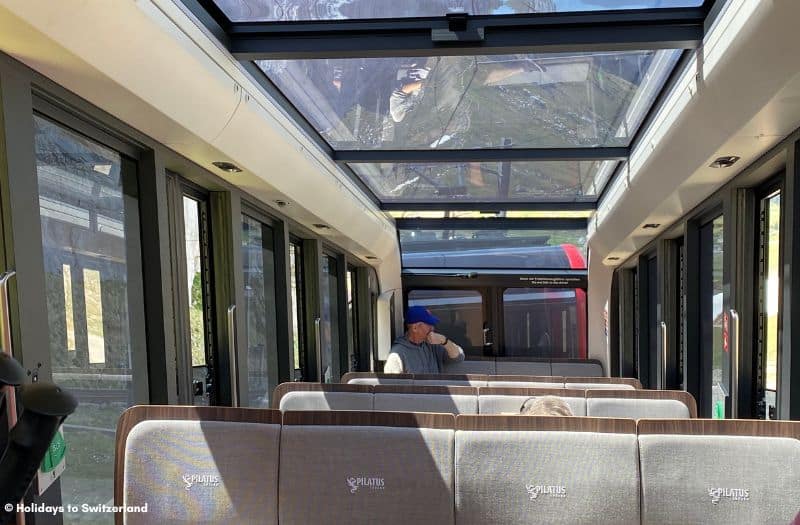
(275, 10)
(556, 100)
(493, 248)
(487, 181)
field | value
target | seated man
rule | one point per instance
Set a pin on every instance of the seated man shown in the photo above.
(545, 406)
(421, 350)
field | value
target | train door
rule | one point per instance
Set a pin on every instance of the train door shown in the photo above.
(767, 323)
(193, 293)
(714, 348)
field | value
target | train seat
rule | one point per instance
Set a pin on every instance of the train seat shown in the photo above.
(316, 396)
(669, 404)
(509, 400)
(443, 399)
(378, 467)
(719, 471)
(190, 471)
(521, 470)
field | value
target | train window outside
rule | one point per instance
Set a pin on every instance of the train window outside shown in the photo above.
(460, 313)
(88, 229)
(258, 260)
(541, 322)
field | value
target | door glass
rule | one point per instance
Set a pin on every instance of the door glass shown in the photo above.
(460, 314)
(258, 260)
(295, 262)
(329, 322)
(770, 286)
(85, 227)
(352, 323)
(541, 322)
(713, 316)
(192, 231)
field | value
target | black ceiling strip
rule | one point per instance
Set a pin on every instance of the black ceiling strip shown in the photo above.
(681, 28)
(499, 223)
(492, 206)
(480, 155)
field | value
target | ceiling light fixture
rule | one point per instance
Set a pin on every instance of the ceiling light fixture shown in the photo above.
(724, 162)
(613, 258)
(371, 257)
(281, 203)
(321, 226)
(651, 225)
(227, 166)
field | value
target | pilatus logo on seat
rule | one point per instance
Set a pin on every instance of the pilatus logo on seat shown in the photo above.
(717, 494)
(557, 491)
(354, 483)
(205, 480)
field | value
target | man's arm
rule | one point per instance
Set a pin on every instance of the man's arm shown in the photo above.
(393, 365)
(452, 350)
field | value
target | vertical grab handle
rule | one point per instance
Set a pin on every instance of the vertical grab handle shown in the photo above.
(318, 349)
(5, 341)
(234, 356)
(663, 328)
(5, 326)
(734, 344)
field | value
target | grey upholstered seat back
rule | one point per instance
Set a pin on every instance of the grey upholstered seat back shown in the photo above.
(636, 408)
(410, 402)
(201, 472)
(450, 382)
(506, 404)
(526, 368)
(526, 384)
(599, 386)
(587, 369)
(301, 400)
(470, 367)
(719, 479)
(552, 476)
(379, 381)
(365, 474)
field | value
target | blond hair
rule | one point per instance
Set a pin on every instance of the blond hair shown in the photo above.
(545, 406)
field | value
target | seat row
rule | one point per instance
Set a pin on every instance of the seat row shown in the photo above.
(228, 465)
(579, 382)
(526, 365)
(484, 400)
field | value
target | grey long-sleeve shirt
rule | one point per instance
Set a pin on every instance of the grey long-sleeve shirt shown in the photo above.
(424, 358)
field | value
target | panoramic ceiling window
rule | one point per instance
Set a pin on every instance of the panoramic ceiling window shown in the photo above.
(493, 248)
(569, 100)
(482, 181)
(276, 10)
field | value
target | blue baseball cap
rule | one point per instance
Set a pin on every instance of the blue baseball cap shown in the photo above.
(420, 314)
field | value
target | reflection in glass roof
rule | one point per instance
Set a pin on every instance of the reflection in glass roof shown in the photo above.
(493, 248)
(275, 10)
(483, 181)
(453, 102)
(518, 214)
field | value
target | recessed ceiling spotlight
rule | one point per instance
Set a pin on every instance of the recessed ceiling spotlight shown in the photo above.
(651, 225)
(371, 257)
(724, 162)
(281, 203)
(227, 166)
(321, 226)
(613, 258)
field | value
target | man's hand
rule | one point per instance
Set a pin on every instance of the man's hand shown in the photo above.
(436, 339)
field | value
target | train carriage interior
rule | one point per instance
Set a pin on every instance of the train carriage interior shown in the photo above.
(215, 216)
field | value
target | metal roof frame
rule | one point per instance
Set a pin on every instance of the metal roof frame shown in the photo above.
(454, 35)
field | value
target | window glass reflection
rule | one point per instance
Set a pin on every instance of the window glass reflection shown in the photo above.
(258, 260)
(84, 223)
